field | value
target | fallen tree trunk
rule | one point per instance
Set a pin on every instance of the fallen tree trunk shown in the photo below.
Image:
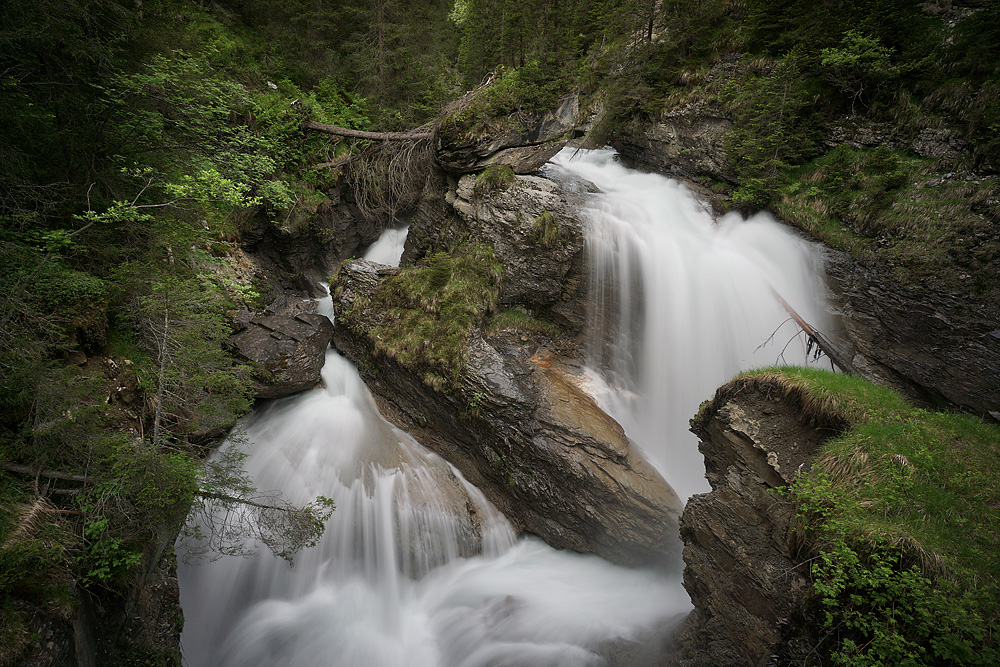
(362, 134)
(825, 345)
(51, 474)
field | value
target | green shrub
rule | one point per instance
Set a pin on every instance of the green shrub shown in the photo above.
(903, 523)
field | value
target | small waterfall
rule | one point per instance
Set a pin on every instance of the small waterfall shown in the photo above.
(389, 246)
(679, 303)
(416, 568)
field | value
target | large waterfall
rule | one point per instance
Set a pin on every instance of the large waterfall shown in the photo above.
(679, 303)
(416, 567)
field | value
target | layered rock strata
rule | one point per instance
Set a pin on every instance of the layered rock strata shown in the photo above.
(931, 347)
(743, 569)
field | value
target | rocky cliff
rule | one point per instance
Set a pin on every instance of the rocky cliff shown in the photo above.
(931, 347)
(743, 567)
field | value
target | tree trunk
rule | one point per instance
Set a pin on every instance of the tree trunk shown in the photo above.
(361, 134)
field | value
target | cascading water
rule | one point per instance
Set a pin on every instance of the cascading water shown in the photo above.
(680, 303)
(389, 246)
(416, 568)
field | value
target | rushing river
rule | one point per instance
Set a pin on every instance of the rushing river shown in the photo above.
(416, 567)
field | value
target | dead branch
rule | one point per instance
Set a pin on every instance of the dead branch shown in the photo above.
(820, 340)
(246, 501)
(50, 474)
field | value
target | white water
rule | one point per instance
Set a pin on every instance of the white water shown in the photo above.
(405, 575)
(389, 246)
(680, 304)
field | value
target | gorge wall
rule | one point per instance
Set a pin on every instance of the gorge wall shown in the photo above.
(745, 566)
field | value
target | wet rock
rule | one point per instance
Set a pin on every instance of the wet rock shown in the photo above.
(524, 144)
(290, 350)
(521, 429)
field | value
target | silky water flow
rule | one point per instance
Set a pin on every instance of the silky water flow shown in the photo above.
(416, 567)
(680, 303)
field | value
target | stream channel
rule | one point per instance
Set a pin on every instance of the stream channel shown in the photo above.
(679, 303)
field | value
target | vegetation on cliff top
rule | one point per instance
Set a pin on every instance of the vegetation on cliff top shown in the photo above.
(902, 518)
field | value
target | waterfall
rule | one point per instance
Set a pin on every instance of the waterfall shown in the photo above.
(680, 303)
(416, 567)
(389, 246)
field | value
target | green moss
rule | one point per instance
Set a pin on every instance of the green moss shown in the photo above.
(422, 316)
(519, 323)
(530, 89)
(545, 229)
(903, 514)
(495, 178)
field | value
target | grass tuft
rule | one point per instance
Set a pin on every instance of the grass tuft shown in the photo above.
(495, 178)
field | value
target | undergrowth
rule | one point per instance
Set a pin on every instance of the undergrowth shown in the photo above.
(930, 229)
(902, 515)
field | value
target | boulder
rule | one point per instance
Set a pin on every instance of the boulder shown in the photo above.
(520, 428)
(532, 225)
(291, 350)
(523, 142)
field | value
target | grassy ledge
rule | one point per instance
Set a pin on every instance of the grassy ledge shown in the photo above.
(425, 314)
(902, 515)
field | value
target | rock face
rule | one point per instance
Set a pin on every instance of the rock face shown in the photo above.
(742, 568)
(532, 226)
(521, 430)
(309, 243)
(525, 144)
(291, 349)
(685, 142)
(930, 347)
